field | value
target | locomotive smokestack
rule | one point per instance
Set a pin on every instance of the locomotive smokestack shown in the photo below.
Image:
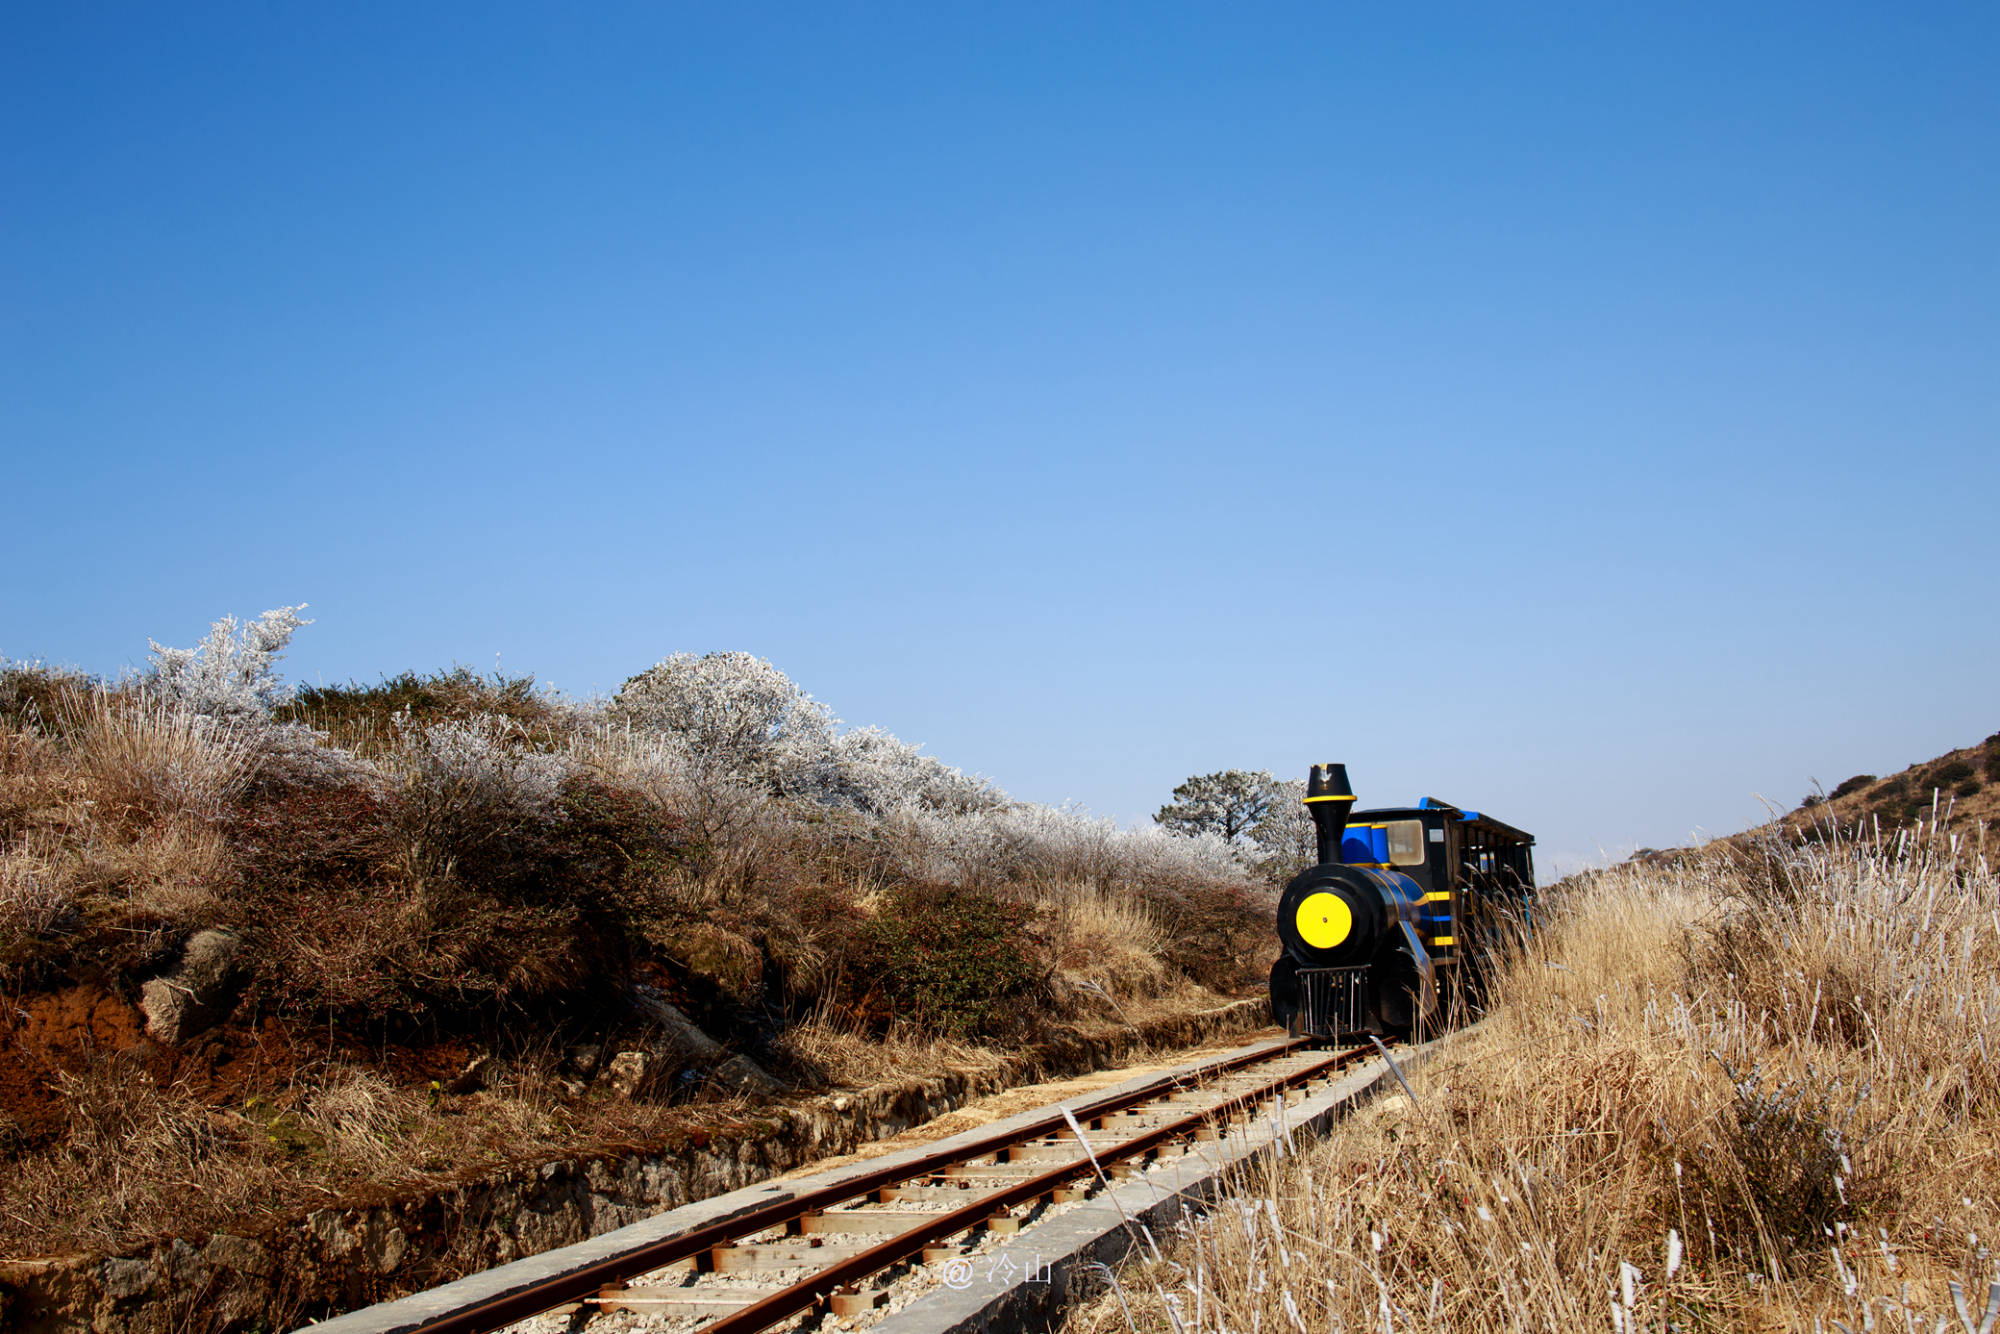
(1329, 796)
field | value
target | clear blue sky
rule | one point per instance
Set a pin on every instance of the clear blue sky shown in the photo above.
(1583, 414)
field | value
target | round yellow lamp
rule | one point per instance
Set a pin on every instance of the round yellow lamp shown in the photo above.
(1324, 920)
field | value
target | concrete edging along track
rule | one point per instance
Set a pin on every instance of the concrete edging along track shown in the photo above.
(1026, 1283)
(409, 1313)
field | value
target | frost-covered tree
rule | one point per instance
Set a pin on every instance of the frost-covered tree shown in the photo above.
(1228, 804)
(232, 675)
(737, 715)
(1285, 835)
(876, 772)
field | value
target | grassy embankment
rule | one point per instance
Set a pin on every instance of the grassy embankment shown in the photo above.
(1750, 1089)
(445, 891)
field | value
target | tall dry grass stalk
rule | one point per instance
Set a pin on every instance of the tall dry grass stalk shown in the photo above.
(35, 893)
(146, 758)
(1751, 1091)
(1105, 941)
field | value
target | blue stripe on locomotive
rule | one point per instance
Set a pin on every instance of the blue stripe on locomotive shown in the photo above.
(1365, 847)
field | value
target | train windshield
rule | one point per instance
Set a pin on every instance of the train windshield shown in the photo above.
(1406, 842)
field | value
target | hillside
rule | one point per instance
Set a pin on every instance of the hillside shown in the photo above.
(1965, 784)
(266, 951)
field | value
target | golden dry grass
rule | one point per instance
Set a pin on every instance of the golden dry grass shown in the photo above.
(1104, 942)
(850, 1055)
(1740, 1093)
(118, 817)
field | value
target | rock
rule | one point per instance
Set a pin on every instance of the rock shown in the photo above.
(125, 1278)
(633, 1074)
(683, 1034)
(586, 1058)
(479, 1073)
(695, 1047)
(744, 1075)
(237, 1253)
(383, 1247)
(198, 993)
(335, 1241)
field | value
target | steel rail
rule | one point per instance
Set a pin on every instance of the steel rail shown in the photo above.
(808, 1292)
(501, 1311)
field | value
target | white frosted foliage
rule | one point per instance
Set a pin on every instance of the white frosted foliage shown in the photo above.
(736, 714)
(233, 674)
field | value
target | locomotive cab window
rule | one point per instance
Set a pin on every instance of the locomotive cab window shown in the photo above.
(1406, 842)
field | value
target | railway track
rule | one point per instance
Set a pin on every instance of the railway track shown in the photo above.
(835, 1247)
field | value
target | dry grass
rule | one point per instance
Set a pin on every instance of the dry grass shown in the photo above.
(148, 760)
(1741, 1093)
(114, 812)
(849, 1055)
(1105, 942)
(141, 1161)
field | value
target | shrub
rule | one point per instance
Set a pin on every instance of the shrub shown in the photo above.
(293, 755)
(1850, 786)
(736, 714)
(35, 698)
(1955, 771)
(1219, 935)
(349, 924)
(366, 717)
(473, 801)
(233, 674)
(1788, 1149)
(955, 960)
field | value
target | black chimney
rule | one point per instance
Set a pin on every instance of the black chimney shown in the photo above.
(1329, 796)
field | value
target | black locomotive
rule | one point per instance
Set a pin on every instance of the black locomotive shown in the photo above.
(1396, 918)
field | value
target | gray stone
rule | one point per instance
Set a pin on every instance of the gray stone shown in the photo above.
(336, 1242)
(694, 1047)
(195, 995)
(744, 1075)
(638, 1074)
(125, 1278)
(683, 1035)
(237, 1253)
(383, 1245)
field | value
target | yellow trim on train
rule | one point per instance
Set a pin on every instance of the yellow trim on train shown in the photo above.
(1310, 800)
(1444, 940)
(1438, 896)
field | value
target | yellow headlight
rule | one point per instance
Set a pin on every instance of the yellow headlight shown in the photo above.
(1324, 920)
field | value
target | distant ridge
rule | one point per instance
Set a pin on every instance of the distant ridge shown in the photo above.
(1963, 785)
(1965, 782)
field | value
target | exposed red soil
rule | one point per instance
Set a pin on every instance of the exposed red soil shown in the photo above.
(62, 1032)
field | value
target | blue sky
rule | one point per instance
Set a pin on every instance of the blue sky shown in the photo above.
(1580, 413)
